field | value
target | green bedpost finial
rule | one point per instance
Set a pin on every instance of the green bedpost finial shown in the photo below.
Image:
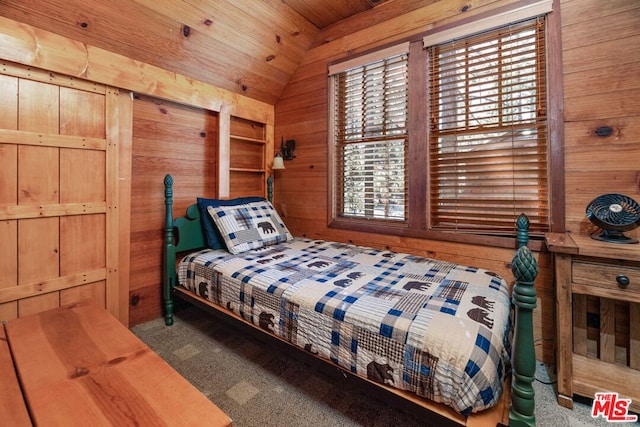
(522, 230)
(525, 269)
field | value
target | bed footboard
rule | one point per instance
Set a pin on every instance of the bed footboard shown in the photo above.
(523, 359)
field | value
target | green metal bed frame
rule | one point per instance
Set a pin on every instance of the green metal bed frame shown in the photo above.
(185, 234)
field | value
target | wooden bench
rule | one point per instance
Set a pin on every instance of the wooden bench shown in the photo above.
(79, 366)
(13, 411)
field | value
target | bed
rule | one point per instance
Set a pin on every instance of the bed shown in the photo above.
(436, 332)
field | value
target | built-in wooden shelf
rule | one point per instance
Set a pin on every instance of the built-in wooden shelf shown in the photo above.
(247, 158)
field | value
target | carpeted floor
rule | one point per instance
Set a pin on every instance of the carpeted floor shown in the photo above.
(261, 383)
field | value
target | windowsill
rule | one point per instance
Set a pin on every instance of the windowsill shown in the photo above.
(536, 243)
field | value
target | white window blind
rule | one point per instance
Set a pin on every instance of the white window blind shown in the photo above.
(370, 136)
(488, 130)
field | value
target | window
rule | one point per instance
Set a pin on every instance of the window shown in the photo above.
(488, 130)
(475, 154)
(370, 137)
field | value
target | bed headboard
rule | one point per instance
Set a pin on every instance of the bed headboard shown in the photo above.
(189, 234)
(183, 234)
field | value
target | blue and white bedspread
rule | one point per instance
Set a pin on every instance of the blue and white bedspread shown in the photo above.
(434, 328)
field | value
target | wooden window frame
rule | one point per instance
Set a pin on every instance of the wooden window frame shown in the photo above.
(418, 174)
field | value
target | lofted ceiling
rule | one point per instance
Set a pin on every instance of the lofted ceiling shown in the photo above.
(323, 13)
(250, 47)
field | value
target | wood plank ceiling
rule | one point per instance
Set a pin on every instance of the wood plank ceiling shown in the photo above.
(249, 47)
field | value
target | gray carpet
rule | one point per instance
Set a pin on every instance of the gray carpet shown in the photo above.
(258, 382)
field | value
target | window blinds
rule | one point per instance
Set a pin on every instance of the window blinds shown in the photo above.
(370, 123)
(488, 130)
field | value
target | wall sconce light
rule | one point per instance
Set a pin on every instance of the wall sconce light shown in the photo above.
(286, 149)
(277, 162)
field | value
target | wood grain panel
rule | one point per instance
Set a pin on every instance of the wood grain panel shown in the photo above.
(599, 81)
(9, 251)
(169, 113)
(322, 16)
(82, 176)
(605, 54)
(607, 330)
(96, 292)
(184, 145)
(611, 104)
(246, 154)
(159, 128)
(8, 174)
(82, 113)
(246, 184)
(616, 21)
(12, 405)
(585, 140)
(119, 125)
(38, 249)
(38, 175)
(38, 107)
(8, 311)
(50, 210)
(79, 366)
(9, 104)
(50, 140)
(579, 304)
(38, 304)
(581, 11)
(379, 15)
(49, 76)
(82, 243)
(41, 287)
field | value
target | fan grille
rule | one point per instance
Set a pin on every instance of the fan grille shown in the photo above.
(614, 212)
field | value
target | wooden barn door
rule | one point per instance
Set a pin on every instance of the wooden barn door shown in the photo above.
(59, 191)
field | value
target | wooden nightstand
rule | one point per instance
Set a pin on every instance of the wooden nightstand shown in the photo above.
(597, 317)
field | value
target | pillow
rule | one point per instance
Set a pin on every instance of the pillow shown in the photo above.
(249, 226)
(212, 236)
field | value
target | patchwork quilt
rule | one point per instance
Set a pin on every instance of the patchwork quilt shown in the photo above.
(434, 328)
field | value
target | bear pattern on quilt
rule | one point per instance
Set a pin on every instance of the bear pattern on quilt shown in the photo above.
(430, 327)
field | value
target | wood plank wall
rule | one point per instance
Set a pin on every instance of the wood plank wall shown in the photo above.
(601, 76)
(167, 138)
(601, 67)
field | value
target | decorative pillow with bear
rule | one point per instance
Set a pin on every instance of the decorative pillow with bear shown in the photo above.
(212, 235)
(249, 226)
